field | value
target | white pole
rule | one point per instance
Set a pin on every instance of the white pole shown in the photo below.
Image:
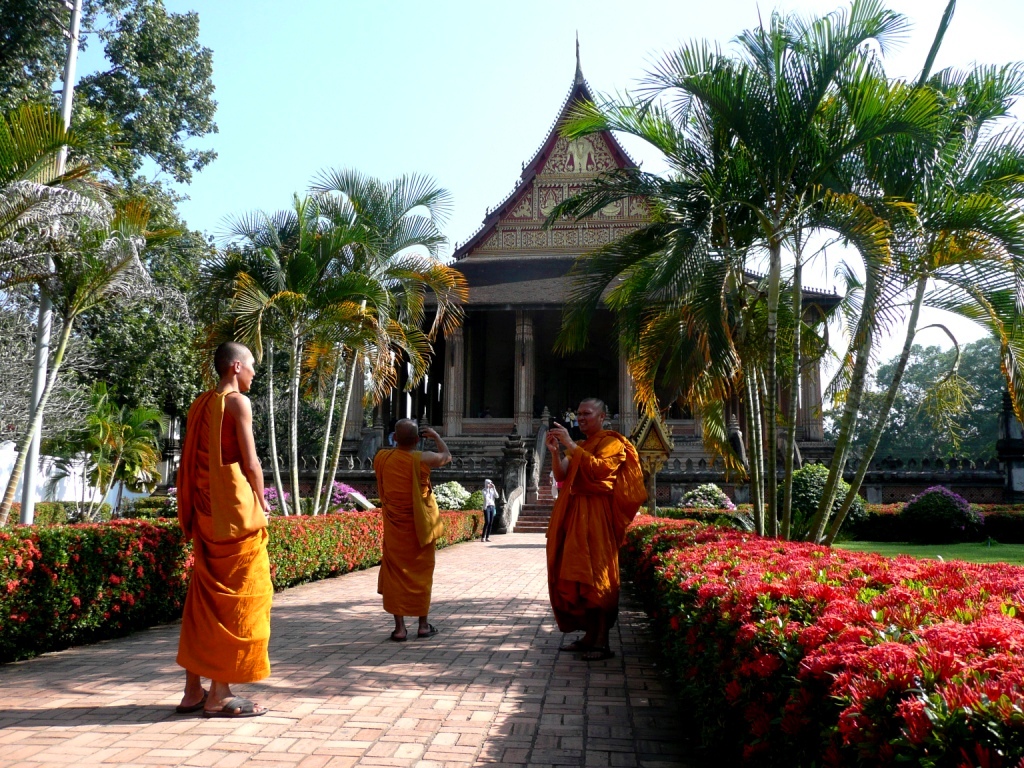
(45, 324)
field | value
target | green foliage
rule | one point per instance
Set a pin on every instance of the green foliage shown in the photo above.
(64, 585)
(62, 512)
(451, 495)
(915, 431)
(475, 501)
(808, 485)
(939, 516)
(150, 508)
(154, 82)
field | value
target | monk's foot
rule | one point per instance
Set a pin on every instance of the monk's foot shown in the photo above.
(428, 631)
(576, 646)
(598, 654)
(192, 702)
(235, 706)
(399, 636)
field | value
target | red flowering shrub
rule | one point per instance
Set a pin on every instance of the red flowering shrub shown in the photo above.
(794, 654)
(62, 585)
(67, 584)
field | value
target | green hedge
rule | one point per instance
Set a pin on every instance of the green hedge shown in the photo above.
(1003, 523)
(49, 512)
(62, 585)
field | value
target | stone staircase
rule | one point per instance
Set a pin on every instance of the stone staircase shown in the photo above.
(534, 516)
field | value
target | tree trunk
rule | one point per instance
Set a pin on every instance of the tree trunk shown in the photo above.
(772, 386)
(865, 331)
(343, 422)
(34, 426)
(293, 432)
(794, 402)
(883, 415)
(327, 442)
(274, 462)
(753, 441)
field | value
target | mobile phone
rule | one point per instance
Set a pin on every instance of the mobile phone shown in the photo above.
(551, 422)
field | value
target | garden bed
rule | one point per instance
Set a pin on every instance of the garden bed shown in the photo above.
(794, 654)
(62, 585)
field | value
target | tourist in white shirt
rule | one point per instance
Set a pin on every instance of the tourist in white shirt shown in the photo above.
(490, 497)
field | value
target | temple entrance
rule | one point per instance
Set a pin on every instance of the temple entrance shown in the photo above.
(562, 381)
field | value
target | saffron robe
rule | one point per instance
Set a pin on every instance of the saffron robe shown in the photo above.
(412, 524)
(225, 627)
(600, 496)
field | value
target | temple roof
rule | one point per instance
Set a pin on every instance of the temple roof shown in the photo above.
(557, 169)
(512, 260)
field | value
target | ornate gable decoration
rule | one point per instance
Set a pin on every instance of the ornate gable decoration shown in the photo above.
(559, 170)
(652, 439)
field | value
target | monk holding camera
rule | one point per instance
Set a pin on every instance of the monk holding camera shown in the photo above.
(412, 523)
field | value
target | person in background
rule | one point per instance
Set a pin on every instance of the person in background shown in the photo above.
(412, 524)
(490, 497)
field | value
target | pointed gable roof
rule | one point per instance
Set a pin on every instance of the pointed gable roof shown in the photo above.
(562, 161)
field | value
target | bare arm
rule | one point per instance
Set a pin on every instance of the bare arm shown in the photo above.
(435, 459)
(559, 464)
(241, 410)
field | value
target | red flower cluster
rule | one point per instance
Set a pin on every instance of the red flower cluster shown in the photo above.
(62, 585)
(802, 654)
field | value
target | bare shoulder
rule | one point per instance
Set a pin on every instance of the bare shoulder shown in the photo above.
(237, 404)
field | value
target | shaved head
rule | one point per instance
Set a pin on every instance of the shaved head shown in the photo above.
(597, 404)
(227, 353)
(407, 433)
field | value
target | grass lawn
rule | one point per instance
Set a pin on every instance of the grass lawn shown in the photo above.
(974, 552)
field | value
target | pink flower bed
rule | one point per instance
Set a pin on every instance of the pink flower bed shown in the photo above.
(795, 654)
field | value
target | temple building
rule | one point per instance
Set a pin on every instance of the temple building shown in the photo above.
(499, 371)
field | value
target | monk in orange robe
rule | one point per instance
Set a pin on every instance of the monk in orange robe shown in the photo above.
(225, 627)
(412, 524)
(602, 490)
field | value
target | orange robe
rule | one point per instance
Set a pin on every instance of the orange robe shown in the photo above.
(225, 627)
(600, 496)
(412, 523)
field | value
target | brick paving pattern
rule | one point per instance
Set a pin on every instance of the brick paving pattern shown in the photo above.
(490, 689)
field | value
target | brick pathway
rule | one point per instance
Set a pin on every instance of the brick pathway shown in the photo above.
(489, 689)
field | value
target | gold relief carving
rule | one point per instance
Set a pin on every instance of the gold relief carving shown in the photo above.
(492, 243)
(612, 211)
(563, 237)
(587, 154)
(508, 238)
(590, 236)
(524, 208)
(549, 198)
(638, 208)
(534, 238)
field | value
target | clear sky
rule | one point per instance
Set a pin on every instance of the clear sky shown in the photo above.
(466, 91)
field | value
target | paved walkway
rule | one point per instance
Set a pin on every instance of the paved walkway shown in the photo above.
(489, 689)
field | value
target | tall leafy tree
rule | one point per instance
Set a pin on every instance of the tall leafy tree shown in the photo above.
(154, 85)
(94, 264)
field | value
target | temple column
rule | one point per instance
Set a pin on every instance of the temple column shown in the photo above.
(627, 405)
(354, 422)
(809, 414)
(524, 373)
(454, 383)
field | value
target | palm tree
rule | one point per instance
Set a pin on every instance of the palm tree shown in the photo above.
(965, 237)
(760, 141)
(281, 278)
(116, 445)
(399, 254)
(92, 265)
